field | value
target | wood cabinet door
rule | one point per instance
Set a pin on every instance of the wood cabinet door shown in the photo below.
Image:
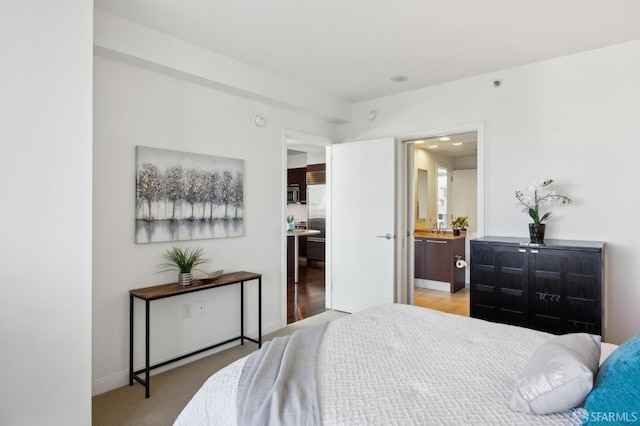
(565, 291)
(499, 283)
(438, 260)
(298, 176)
(513, 284)
(420, 258)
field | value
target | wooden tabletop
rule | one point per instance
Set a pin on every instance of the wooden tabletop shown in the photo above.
(173, 289)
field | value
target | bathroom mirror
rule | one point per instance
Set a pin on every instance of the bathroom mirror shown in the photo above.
(421, 194)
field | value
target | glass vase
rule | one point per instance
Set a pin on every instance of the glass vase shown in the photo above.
(536, 233)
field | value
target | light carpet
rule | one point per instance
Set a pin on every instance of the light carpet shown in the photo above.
(173, 389)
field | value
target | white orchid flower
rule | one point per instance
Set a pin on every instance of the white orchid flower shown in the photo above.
(532, 204)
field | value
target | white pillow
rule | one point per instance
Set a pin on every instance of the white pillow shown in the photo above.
(558, 376)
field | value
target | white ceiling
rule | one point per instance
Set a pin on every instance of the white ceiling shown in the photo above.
(351, 48)
(457, 145)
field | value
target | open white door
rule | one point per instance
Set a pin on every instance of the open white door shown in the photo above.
(362, 224)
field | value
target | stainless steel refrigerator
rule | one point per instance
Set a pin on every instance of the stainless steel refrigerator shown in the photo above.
(317, 214)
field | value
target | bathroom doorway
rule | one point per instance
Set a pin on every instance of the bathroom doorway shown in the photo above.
(452, 163)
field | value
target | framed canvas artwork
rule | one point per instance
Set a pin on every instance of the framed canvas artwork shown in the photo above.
(183, 196)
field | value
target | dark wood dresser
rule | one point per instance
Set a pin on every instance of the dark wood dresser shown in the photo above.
(556, 287)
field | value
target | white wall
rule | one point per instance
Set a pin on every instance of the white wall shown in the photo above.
(573, 119)
(135, 106)
(466, 162)
(295, 161)
(45, 219)
(463, 196)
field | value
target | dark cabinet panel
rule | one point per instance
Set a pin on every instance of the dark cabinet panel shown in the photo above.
(420, 254)
(315, 250)
(555, 288)
(320, 167)
(566, 290)
(438, 260)
(298, 176)
(435, 260)
(499, 283)
(291, 260)
(302, 247)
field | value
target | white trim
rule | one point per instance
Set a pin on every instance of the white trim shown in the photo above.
(404, 222)
(410, 220)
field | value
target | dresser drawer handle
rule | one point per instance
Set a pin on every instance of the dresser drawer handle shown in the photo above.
(522, 250)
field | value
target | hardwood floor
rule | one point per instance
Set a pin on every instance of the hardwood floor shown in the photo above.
(456, 303)
(311, 293)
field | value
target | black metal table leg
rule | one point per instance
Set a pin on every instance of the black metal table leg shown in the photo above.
(148, 383)
(130, 340)
(242, 312)
(260, 312)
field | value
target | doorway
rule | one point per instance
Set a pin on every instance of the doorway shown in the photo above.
(447, 157)
(304, 249)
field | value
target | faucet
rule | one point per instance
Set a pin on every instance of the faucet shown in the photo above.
(441, 227)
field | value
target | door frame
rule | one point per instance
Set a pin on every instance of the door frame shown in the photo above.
(404, 200)
(297, 139)
(405, 190)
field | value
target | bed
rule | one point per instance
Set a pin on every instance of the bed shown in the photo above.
(401, 364)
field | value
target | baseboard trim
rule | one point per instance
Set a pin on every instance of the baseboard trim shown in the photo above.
(432, 285)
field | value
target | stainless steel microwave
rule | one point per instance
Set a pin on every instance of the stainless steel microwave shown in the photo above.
(293, 194)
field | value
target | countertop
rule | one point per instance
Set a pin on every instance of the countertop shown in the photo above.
(302, 232)
(447, 235)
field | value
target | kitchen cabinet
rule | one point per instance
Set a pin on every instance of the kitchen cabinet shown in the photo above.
(320, 167)
(298, 177)
(435, 259)
(556, 287)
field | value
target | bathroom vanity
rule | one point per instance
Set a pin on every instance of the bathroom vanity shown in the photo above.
(435, 259)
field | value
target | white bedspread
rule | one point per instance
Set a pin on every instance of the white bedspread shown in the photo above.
(403, 365)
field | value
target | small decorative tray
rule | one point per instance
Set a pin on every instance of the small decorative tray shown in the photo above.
(210, 277)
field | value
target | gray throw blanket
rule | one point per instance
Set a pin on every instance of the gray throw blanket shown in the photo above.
(278, 385)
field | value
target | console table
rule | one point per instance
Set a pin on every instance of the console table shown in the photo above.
(174, 289)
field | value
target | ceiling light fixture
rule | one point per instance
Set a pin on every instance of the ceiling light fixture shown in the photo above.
(433, 146)
(399, 78)
(457, 144)
(418, 142)
(445, 138)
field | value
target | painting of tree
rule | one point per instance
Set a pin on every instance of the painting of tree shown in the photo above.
(184, 196)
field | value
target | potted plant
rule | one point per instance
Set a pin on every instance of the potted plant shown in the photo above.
(184, 261)
(531, 204)
(459, 223)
